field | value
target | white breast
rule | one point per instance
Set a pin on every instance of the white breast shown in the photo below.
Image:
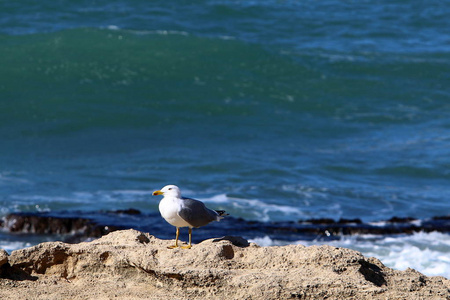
(169, 207)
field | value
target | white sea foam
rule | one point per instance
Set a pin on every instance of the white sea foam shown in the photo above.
(266, 241)
(147, 32)
(9, 178)
(221, 198)
(255, 209)
(113, 27)
(428, 253)
(11, 246)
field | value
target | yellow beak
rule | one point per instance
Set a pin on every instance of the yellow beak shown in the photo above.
(156, 193)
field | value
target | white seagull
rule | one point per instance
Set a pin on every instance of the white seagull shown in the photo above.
(184, 212)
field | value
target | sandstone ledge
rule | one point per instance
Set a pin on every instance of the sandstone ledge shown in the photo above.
(129, 264)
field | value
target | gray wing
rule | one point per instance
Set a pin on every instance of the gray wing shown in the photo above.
(196, 213)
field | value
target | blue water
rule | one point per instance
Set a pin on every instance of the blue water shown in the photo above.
(271, 110)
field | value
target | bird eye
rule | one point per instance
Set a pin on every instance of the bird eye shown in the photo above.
(170, 189)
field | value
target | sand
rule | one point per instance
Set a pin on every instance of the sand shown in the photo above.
(129, 264)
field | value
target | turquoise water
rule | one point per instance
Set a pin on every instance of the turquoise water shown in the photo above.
(272, 110)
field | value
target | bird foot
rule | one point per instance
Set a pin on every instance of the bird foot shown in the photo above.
(172, 247)
(186, 247)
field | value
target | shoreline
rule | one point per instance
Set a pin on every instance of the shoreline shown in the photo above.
(73, 226)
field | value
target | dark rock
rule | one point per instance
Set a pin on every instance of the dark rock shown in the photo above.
(348, 221)
(35, 223)
(71, 228)
(130, 211)
(235, 240)
(319, 221)
(401, 220)
(442, 218)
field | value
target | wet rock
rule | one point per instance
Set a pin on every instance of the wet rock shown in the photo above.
(72, 229)
(129, 211)
(401, 220)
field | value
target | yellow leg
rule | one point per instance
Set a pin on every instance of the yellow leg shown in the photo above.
(190, 240)
(176, 240)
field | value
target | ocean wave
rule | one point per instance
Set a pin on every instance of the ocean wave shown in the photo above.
(13, 178)
(255, 209)
(14, 245)
(140, 72)
(147, 32)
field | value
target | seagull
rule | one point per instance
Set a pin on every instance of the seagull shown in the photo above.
(179, 211)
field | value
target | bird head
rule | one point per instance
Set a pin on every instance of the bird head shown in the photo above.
(168, 190)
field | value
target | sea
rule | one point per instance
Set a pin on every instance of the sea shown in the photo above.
(273, 110)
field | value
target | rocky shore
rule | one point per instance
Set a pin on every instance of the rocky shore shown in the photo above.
(76, 226)
(129, 264)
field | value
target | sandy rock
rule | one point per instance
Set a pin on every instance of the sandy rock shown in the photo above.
(3, 257)
(134, 265)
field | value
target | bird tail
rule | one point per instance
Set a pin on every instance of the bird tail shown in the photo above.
(221, 214)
